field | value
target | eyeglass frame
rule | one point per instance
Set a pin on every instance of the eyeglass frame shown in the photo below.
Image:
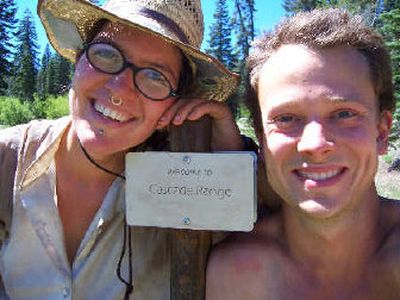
(127, 64)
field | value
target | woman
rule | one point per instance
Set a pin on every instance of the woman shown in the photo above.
(137, 63)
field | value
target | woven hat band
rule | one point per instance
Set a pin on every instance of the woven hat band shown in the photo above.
(165, 21)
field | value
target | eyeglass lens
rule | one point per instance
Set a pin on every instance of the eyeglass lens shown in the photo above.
(108, 59)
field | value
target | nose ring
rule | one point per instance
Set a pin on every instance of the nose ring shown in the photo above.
(117, 101)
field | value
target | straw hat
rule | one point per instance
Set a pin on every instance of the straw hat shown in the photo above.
(69, 23)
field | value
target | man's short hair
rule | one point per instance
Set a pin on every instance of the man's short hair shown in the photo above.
(323, 29)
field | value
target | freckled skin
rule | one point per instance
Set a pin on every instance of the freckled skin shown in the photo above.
(333, 238)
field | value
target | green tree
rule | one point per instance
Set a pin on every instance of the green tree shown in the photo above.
(388, 5)
(25, 60)
(367, 8)
(243, 26)
(390, 29)
(220, 42)
(42, 82)
(8, 10)
(58, 76)
(294, 6)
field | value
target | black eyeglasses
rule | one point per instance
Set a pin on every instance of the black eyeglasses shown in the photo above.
(108, 59)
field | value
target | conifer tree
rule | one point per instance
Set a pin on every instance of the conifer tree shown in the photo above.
(294, 6)
(7, 25)
(220, 43)
(25, 60)
(243, 27)
(243, 21)
(42, 82)
(58, 75)
(390, 29)
(369, 9)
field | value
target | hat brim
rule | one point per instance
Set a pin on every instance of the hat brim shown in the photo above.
(69, 23)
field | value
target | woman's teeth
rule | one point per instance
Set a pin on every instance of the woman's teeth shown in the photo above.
(109, 113)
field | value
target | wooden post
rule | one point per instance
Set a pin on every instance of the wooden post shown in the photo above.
(190, 247)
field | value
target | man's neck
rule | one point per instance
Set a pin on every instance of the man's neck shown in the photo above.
(336, 248)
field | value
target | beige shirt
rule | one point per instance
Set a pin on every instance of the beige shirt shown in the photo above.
(33, 261)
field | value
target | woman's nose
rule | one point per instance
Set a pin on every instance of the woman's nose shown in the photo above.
(122, 82)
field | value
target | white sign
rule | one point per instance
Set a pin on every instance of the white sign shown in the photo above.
(207, 191)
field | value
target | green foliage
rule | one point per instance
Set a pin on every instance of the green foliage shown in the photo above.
(56, 107)
(366, 8)
(42, 80)
(220, 43)
(244, 123)
(294, 6)
(389, 22)
(8, 10)
(243, 27)
(13, 111)
(23, 84)
(50, 108)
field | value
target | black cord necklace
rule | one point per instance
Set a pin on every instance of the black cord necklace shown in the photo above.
(99, 166)
(127, 234)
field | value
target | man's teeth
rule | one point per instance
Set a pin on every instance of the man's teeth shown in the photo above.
(111, 114)
(319, 175)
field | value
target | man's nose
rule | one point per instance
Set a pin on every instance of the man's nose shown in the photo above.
(315, 140)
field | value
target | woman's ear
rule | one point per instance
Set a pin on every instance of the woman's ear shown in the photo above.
(384, 125)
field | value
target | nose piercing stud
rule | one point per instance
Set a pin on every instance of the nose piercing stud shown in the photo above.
(117, 101)
(101, 131)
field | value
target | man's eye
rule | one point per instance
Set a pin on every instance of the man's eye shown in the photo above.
(285, 121)
(345, 114)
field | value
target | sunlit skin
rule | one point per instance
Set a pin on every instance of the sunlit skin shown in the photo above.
(143, 115)
(333, 237)
(91, 86)
(322, 128)
(81, 184)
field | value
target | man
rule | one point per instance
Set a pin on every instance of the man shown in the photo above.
(323, 115)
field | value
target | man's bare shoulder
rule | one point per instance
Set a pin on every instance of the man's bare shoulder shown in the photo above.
(390, 218)
(245, 257)
(389, 253)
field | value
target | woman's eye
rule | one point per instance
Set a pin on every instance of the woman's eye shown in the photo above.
(106, 54)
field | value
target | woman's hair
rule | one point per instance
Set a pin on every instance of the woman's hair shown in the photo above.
(322, 29)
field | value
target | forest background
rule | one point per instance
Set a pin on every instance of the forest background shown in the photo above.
(34, 82)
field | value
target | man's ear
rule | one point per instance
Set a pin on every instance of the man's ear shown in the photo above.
(384, 126)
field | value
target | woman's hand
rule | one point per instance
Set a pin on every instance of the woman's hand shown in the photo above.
(225, 133)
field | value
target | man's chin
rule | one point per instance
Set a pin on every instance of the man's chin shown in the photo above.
(317, 208)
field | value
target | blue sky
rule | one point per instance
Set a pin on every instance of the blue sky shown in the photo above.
(268, 14)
